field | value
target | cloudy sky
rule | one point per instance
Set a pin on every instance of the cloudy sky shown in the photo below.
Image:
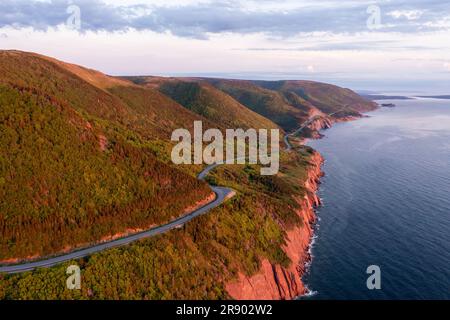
(394, 45)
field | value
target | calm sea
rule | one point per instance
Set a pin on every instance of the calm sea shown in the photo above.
(386, 200)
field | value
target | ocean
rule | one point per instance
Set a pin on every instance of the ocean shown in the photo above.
(386, 202)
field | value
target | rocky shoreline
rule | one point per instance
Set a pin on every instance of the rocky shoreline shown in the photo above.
(273, 282)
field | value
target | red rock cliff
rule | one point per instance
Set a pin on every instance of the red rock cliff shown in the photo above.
(273, 281)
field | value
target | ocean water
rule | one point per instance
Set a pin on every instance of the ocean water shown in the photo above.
(386, 198)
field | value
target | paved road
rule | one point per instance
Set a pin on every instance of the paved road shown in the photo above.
(221, 193)
(303, 126)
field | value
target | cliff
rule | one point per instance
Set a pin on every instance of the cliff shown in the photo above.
(274, 282)
(314, 128)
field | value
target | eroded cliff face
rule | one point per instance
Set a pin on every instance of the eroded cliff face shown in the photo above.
(321, 123)
(317, 125)
(274, 282)
(326, 123)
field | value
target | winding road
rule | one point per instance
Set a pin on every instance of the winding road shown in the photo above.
(222, 194)
(304, 125)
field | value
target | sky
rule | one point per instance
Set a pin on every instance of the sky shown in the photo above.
(387, 45)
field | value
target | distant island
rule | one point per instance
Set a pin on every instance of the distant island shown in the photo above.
(446, 97)
(388, 105)
(385, 97)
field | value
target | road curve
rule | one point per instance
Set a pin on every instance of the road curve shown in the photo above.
(221, 193)
(304, 125)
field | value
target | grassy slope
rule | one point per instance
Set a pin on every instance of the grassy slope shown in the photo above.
(139, 109)
(205, 100)
(268, 103)
(326, 97)
(285, 103)
(78, 163)
(289, 103)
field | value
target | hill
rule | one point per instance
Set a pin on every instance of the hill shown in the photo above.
(290, 103)
(268, 103)
(247, 103)
(81, 162)
(326, 97)
(207, 101)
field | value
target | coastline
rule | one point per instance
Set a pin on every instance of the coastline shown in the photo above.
(273, 282)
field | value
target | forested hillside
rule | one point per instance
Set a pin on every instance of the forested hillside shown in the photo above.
(289, 103)
(205, 100)
(79, 163)
(326, 97)
(245, 103)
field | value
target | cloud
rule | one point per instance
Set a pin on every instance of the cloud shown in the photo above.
(200, 19)
(447, 66)
(355, 44)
